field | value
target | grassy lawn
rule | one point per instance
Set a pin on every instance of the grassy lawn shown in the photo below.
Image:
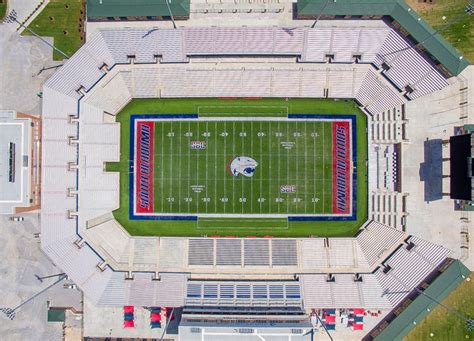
(3, 8)
(461, 33)
(445, 325)
(60, 20)
(242, 227)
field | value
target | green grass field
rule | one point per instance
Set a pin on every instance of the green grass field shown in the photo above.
(445, 325)
(3, 8)
(231, 226)
(288, 153)
(60, 20)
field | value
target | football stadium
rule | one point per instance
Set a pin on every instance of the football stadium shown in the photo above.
(257, 181)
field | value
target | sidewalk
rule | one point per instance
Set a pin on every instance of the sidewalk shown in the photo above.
(21, 58)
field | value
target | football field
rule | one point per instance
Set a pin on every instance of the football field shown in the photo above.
(240, 167)
(180, 173)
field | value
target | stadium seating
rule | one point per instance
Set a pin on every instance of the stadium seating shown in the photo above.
(376, 95)
(284, 252)
(405, 269)
(256, 252)
(376, 239)
(201, 252)
(408, 67)
(117, 65)
(228, 252)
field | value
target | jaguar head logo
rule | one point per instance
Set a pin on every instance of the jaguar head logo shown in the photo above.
(243, 165)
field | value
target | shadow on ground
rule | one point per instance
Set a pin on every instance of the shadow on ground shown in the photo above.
(431, 170)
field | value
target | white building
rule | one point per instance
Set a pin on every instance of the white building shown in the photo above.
(20, 137)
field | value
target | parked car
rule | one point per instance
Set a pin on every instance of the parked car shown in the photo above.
(70, 286)
(17, 218)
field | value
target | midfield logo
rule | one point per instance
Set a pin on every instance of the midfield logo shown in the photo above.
(198, 145)
(243, 165)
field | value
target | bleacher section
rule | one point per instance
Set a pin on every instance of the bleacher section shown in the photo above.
(377, 239)
(408, 266)
(343, 44)
(376, 94)
(407, 67)
(342, 291)
(203, 80)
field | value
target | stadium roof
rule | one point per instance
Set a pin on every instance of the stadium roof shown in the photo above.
(136, 8)
(439, 289)
(419, 29)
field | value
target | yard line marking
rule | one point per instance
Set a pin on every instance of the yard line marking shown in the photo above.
(279, 165)
(225, 159)
(215, 167)
(270, 167)
(197, 172)
(297, 168)
(306, 167)
(162, 167)
(189, 167)
(171, 165)
(251, 155)
(261, 182)
(314, 171)
(179, 166)
(233, 177)
(207, 162)
(324, 165)
(287, 169)
(242, 181)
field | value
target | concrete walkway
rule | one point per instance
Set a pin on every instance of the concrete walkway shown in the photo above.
(432, 118)
(21, 59)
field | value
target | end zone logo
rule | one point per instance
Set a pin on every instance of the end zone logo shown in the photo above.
(341, 167)
(198, 145)
(144, 167)
(288, 189)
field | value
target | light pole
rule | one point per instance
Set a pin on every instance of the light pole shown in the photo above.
(321, 13)
(39, 278)
(12, 18)
(171, 14)
(11, 312)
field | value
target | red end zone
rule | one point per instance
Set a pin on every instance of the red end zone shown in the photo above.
(144, 167)
(341, 166)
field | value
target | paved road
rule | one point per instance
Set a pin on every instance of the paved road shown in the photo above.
(21, 258)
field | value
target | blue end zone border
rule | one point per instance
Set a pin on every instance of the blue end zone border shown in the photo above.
(330, 117)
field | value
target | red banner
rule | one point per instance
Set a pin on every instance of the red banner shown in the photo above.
(144, 167)
(341, 167)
